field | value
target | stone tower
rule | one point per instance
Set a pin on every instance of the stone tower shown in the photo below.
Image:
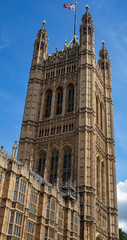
(67, 131)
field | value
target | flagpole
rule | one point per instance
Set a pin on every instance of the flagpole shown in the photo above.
(75, 19)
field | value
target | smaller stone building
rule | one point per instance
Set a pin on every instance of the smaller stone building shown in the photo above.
(31, 208)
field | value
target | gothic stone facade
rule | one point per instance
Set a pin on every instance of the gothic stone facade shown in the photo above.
(63, 185)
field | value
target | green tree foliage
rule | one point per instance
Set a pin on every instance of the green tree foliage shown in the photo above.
(122, 235)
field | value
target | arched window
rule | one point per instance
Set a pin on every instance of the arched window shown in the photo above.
(41, 165)
(59, 101)
(102, 65)
(67, 166)
(96, 110)
(98, 177)
(71, 98)
(85, 30)
(54, 166)
(89, 30)
(48, 103)
(37, 46)
(101, 116)
(103, 181)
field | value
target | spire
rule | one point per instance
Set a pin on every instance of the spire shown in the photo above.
(103, 52)
(87, 31)
(87, 18)
(104, 62)
(40, 46)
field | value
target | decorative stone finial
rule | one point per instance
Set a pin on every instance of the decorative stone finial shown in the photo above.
(103, 43)
(44, 22)
(87, 7)
(14, 149)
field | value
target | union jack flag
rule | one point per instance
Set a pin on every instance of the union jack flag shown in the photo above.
(69, 6)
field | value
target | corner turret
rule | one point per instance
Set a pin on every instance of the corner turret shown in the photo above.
(40, 46)
(104, 64)
(87, 32)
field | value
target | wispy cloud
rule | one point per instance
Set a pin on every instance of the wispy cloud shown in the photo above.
(4, 39)
(5, 95)
(103, 4)
(3, 45)
(118, 36)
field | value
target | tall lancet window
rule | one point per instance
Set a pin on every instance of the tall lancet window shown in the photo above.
(103, 181)
(41, 164)
(98, 177)
(59, 100)
(71, 98)
(48, 103)
(101, 116)
(67, 166)
(54, 166)
(96, 110)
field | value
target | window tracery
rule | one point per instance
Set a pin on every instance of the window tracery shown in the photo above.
(96, 110)
(101, 116)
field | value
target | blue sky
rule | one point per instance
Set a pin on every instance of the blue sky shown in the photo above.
(20, 21)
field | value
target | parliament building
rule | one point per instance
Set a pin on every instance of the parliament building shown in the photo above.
(62, 185)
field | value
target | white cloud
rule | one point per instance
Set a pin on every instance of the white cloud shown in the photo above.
(122, 204)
